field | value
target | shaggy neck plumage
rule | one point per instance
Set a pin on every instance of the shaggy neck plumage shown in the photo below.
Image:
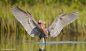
(43, 29)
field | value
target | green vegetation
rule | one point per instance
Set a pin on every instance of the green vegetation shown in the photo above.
(8, 23)
(13, 34)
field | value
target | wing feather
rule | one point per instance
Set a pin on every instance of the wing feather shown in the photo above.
(60, 22)
(27, 21)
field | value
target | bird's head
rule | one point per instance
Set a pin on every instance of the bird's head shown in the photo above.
(41, 22)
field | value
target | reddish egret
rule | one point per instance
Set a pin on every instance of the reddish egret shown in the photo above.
(33, 28)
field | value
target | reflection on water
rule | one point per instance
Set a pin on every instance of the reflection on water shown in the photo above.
(42, 48)
(55, 42)
(23, 42)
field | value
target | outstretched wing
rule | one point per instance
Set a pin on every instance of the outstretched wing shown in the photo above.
(60, 21)
(27, 21)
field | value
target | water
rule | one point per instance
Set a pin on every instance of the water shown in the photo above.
(59, 42)
(23, 42)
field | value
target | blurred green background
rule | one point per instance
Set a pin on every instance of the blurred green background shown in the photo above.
(13, 34)
(46, 10)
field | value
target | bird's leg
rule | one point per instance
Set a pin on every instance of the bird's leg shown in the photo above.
(43, 40)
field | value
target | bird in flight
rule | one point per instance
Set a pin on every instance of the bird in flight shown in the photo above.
(34, 28)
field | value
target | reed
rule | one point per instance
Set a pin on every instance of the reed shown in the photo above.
(13, 34)
(45, 12)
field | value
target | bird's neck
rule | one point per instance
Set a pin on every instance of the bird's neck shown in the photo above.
(43, 29)
(42, 26)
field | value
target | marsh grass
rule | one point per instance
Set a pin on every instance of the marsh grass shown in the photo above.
(44, 12)
(13, 34)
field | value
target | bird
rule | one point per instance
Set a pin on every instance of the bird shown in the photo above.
(34, 28)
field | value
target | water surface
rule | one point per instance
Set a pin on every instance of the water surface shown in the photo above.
(23, 42)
